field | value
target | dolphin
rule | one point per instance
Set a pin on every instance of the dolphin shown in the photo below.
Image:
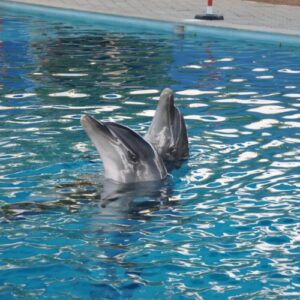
(167, 132)
(126, 156)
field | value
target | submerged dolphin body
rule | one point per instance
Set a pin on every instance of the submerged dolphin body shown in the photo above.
(126, 156)
(167, 132)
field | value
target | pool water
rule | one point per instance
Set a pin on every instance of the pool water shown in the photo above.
(226, 222)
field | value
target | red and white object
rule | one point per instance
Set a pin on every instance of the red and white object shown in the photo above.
(209, 9)
(209, 13)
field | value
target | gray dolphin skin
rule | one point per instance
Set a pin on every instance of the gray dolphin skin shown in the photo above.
(126, 156)
(167, 132)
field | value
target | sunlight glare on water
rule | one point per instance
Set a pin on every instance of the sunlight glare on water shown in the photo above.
(226, 223)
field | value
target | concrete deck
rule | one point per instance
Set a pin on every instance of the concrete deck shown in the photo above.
(238, 14)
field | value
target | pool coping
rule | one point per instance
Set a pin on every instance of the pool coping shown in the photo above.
(183, 26)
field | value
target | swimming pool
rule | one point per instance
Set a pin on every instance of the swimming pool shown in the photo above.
(225, 225)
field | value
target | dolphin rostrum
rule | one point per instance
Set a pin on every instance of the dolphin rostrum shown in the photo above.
(167, 132)
(126, 156)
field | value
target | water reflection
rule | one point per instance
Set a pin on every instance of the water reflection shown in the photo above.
(113, 199)
(99, 56)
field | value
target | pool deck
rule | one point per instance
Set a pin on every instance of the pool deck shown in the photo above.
(238, 14)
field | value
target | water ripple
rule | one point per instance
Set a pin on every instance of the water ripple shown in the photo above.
(225, 223)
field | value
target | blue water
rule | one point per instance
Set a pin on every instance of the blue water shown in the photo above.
(226, 223)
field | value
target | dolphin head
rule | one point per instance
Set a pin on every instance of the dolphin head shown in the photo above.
(126, 156)
(167, 132)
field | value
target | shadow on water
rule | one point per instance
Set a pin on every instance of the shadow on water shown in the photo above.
(112, 199)
(132, 196)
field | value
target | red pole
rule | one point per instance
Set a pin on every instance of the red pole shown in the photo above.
(209, 9)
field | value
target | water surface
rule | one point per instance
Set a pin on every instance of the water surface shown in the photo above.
(225, 225)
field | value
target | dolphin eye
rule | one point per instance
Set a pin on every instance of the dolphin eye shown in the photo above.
(132, 157)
